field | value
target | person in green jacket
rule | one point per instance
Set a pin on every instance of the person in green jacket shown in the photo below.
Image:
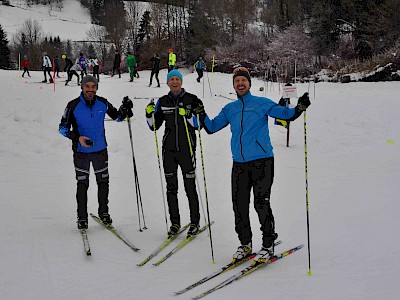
(131, 62)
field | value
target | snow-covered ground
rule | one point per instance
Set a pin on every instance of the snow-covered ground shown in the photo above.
(71, 22)
(353, 164)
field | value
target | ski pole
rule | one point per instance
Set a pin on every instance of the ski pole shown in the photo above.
(137, 187)
(204, 178)
(205, 188)
(209, 84)
(159, 166)
(306, 178)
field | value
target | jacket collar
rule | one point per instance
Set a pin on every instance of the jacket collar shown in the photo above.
(175, 97)
(90, 104)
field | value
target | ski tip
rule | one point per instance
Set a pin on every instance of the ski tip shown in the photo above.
(309, 272)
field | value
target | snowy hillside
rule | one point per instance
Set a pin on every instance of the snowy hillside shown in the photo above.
(71, 22)
(354, 167)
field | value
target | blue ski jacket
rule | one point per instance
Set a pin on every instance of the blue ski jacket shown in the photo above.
(248, 119)
(87, 119)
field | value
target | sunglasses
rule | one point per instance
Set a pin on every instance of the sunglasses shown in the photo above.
(241, 69)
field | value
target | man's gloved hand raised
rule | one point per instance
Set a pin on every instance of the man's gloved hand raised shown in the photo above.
(198, 107)
(303, 103)
(150, 109)
(126, 107)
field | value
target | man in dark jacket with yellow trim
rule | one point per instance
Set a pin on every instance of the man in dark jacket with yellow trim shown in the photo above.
(178, 148)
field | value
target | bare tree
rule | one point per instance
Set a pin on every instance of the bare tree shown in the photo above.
(134, 11)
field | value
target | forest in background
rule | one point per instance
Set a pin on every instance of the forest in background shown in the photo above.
(342, 36)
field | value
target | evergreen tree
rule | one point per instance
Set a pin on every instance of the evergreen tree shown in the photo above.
(144, 32)
(5, 62)
(198, 35)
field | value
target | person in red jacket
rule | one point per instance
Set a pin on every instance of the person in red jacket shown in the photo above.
(25, 65)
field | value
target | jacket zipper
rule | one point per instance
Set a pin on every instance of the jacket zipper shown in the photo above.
(176, 125)
(241, 129)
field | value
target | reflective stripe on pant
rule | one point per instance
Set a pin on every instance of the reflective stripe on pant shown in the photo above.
(257, 175)
(171, 160)
(99, 161)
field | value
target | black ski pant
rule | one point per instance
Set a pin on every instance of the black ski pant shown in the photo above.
(83, 73)
(72, 73)
(118, 69)
(199, 74)
(48, 71)
(155, 74)
(96, 73)
(26, 71)
(257, 175)
(171, 161)
(82, 162)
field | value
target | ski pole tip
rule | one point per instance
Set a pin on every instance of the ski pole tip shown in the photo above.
(309, 272)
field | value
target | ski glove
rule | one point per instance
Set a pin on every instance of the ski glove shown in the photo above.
(185, 112)
(304, 102)
(150, 109)
(127, 103)
(198, 107)
(125, 112)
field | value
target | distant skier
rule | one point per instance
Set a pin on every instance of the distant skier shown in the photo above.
(68, 63)
(155, 69)
(171, 60)
(199, 66)
(74, 71)
(47, 67)
(95, 65)
(117, 64)
(57, 66)
(131, 62)
(25, 64)
(83, 64)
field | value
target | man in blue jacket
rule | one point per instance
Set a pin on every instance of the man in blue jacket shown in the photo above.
(253, 158)
(85, 115)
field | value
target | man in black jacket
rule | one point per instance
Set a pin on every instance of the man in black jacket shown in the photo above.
(155, 68)
(117, 64)
(179, 146)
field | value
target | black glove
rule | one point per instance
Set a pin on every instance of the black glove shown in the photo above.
(198, 107)
(125, 112)
(303, 102)
(127, 103)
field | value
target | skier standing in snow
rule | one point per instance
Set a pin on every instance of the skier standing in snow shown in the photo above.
(155, 69)
(85, 115)
(117, 64)
(179, 146)
(253, 158)
(94, 63)
(131, 62)
(68, 63)
(47, 67)
(199, 66)
(25, 65)
(57, 66)
(83, 63)
(171, 60)
(74, 71)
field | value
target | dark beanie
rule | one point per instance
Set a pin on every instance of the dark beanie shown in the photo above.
(89, 78)
(242, 73)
